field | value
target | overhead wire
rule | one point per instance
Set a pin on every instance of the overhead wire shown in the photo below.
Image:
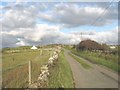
(98, 17)
(101, 14)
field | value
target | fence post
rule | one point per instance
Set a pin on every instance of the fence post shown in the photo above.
(41, 52)
(30, 79)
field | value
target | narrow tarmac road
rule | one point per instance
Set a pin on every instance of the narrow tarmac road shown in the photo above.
(95, 77)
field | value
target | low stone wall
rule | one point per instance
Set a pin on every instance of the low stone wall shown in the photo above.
(44, 72)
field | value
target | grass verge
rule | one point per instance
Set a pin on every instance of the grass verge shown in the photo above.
(61, 74)
(84, 64)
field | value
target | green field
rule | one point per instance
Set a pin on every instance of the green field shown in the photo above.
(15, 68)
(108, 60)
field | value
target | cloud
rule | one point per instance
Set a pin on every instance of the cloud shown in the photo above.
(45, 34)
(24, 15)
(42, 33)
(108, 37)
(8, 40)
(19, 16)
(39, 35)
(16, 20)
(73, 15)
(21, 42)
(41, 23)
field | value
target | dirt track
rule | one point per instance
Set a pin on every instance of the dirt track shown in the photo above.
(95, 77)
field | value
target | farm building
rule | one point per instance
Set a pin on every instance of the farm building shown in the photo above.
(91, 45)
(34, 47)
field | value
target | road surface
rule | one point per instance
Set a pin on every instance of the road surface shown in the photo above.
(95, 77)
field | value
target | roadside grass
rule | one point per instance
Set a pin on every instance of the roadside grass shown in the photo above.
(15, 71)
(84, 64)
(61, 74)
(109, 60)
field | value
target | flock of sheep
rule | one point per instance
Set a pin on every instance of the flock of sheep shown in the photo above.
(44, 72)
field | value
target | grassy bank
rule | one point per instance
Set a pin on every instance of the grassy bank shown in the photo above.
(61, 75)
(84, 64)
(108, 60)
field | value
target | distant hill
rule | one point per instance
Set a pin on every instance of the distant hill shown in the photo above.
(91, 45)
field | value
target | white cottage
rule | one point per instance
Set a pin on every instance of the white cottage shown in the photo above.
(34, 47)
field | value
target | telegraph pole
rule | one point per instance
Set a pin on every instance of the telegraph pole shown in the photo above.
(81, 36)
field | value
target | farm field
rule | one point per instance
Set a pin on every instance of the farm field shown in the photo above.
(15, 68)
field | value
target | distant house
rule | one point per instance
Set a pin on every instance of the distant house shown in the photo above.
(34, 47)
